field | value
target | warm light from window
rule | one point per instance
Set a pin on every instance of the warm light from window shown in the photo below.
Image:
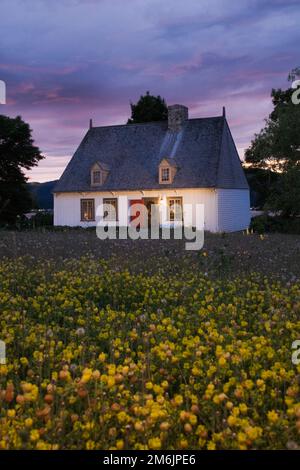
(175, 209)
(165, 174)
(87, 209)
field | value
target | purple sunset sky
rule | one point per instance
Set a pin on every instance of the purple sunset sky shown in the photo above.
(70, 60)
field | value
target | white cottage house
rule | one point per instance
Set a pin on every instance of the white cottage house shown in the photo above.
(175, 162)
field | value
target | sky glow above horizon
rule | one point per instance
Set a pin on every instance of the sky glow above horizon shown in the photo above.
(67, 61)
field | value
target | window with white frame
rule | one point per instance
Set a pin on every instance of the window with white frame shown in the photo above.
(99, 174)
(175, 209)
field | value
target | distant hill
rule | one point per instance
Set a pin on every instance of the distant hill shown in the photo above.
(42, 194)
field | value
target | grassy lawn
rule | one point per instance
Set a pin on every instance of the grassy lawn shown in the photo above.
(235, 254)
(144, 345)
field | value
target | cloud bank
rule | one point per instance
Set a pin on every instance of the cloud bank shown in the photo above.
(68, 61)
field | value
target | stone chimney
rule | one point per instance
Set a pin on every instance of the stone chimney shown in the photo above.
(177, 115)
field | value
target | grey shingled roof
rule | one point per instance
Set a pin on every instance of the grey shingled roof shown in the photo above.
(204, 152)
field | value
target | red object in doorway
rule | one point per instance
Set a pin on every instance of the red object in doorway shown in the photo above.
(137, 214)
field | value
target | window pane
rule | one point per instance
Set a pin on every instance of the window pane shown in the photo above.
(97, 177)
(87, 209)
(175, 209)
(165, 174)
(110, 209)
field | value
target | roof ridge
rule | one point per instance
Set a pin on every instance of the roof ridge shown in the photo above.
(220, 148)
(129, 125)
(152, 122)
(208, 117)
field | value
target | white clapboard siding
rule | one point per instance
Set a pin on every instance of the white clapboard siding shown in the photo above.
(233, 209)
(67, 205)
(225, 210)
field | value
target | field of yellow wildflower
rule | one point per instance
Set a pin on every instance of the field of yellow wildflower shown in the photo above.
(183, 351)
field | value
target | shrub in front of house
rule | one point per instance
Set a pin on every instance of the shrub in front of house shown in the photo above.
(266, 223)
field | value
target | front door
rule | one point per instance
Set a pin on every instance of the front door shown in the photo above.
(137, 214)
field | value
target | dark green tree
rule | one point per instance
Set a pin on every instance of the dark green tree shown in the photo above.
(148, 108)
(17, 153)
(261, 182)
(277, 148)
(285, 193)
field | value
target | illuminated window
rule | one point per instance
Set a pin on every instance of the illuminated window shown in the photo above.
(175, 209)
(87, 210)
(167, 170)
(110, 209)
(165, 174)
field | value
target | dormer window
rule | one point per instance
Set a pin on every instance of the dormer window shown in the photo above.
(99, 173)
(167, 170)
